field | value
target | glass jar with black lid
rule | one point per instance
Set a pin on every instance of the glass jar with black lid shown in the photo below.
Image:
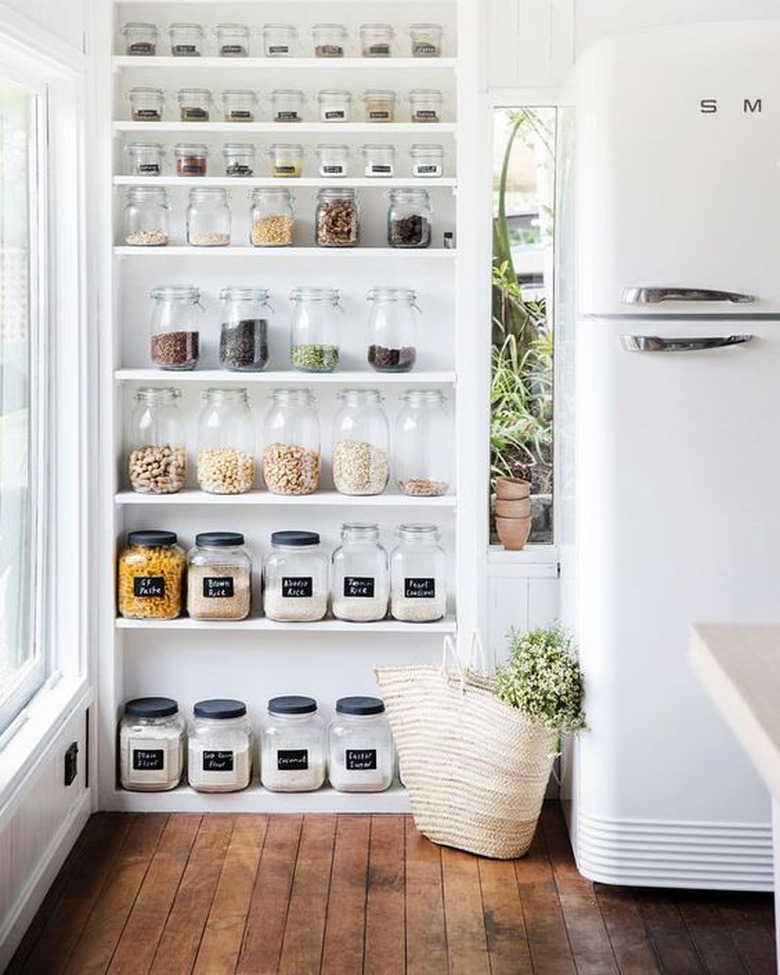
(220, 746)
(150, 576)
(151, 745)
(361, 757)
(296, 578)
(219, 577)
(292, 745)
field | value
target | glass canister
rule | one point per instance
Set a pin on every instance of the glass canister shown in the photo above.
(376, 40)
(140, 39)
(243, 340)
(187, 40)
(151, 745)
(150, 576)
(232, 40)
(145, 158)
(360, 580)
(287, 105)
(291, 436)
(239, 158)
(239, 104)
(426, 40)
(286, 160)
(292, 745)
(279, 40)
(315, 329)
(146, 216)
(226, 442)
(219, 756)
(273, 217)
(208, 217)
(337, 221)
(335, 105)
(194, 104)
(379, 104)
(425, 105)
(157, 463)
(330, 40)
(146, 104)
(423, 444)
(296, 578)
(427, 161)
(361, 443)
(333, 160)
(175, 332)
(379, 160)
(219, 577)
(361, 757)
(418, 574)
(393, 323)
(191, 158)
(409, 218)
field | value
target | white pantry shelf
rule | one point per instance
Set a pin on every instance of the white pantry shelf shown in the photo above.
(281, 253)
(327, 65)
(278, 377)
(265, 498)
(240, 182)
(261, 623)
(379, 129)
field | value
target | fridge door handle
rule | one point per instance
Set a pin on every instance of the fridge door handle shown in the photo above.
(654, 343)
(652, 296)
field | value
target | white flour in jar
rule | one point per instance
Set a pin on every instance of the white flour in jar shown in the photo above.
(151, 757)
(290, 769)
(220, 761)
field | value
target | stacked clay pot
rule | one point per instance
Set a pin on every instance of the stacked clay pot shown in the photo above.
(513, 512)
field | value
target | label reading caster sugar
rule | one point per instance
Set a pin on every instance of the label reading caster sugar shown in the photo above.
(360, 759)
(419, 587)
(149, 587)
(297, 587)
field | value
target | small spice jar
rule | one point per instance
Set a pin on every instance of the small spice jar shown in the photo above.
(361, 757)
(145, 216)
(151, 745)
(337, 221)
(219, 577)
(376, 40)
(361, 443)
(335, 105)
(418, 572)
(239, 105)
(296, 578)
(187, 40)
(150, 576)
(425, 105)
(286, 160)
(226, 442)
(239, 158)
(393, 323)
(243, 340)
(287, 105)
(360, 587)
(157, 462)
(314, 329)
(191, 158)
(423, 444)
(292, 745)
(232, 40)
(379, 105)
(145, 158)
(208, 217)
(194, 104)
(273, 217)
(146, 104)
(409, 218)
(175, 334)
(329, 40)
(379, 160)
(427, 161)
(140, 39)
(333, 160)
(219, 756)
(279, 40)
(291, 434)
(426, 40)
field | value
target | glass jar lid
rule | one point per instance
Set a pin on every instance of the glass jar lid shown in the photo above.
(219, 709)
(368, 396)
(219, 539)
(335, 93)
(279, 194)
(176, 292)
(378, 27)
(293, 148)
(381, 293)
(138, 25)
(243, 292)
(182, 25)
(410, 194)
(242, 148)
(426, 94)
(425, 27)
(240, 93)
(432, 149)
(232, 27)
(378, 147)
(305, 293)
(360, 531)
(157, 194)
(146, 90)
(151, 707)
(152, 539)
(200, 193)
(287, 93)
(299, 397)
(133, 148)
(326, 27)
(337, 193)
(412, 530)
(295, 539)
(194, 93)
(360, 705)
(285, 27)
(190, 149)
(152, 393)
(375, 93)
(226, 393)
(292, 704)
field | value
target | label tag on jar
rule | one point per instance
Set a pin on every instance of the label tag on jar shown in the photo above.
(217, 761)
(419, 587)
(218, 587)
(360, 759)
(292, 759)
(278, 49)
(182, 49)
(379, 169)
(149, 587)
(426, 169)
(359, 587)
(240, 114)
(329, 51)
(148, 169)
(141, 47)
(379, 50)
(422, 49)
(379, 114)
(239, 169)
(227, 49)
(297, 587)
(285, 170)
(334, 115)
(337, 170)
(426, 115)
(140, 113)
(287, 117)
(148, 759)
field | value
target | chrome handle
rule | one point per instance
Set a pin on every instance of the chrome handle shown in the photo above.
(652, 296)
(654, 343)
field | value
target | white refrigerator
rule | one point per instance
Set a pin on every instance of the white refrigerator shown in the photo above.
(669, 317)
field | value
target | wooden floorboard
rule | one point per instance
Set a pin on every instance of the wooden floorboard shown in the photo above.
(365, 895)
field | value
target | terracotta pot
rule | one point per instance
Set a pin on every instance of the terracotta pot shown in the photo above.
(513, 509)
(513, 532)
(512, 488)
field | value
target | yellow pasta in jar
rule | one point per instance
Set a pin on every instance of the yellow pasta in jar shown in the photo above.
(151, 576)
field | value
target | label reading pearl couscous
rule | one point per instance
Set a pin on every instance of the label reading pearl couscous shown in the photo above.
(419, 588)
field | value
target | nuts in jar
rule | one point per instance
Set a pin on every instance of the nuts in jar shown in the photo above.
(290, 469)
(157, 469)
(151, 571)
(225, 470)
(338, 218)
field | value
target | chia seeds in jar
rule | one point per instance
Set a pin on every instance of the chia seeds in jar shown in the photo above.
(279, 40)
(296, 578)
(239, 158)
(426, 40)
(219, 756)
(376, 40)
(292, 745)
(187, 40)
(145, 158)
(191, 158)
(232, 40)
(140, 39)
(361, 757)
(287, 105)
(194, 104)
(409, 218)
(337, 222)
(243, 341)
(360, 575)
(175, 338)
(427, 161)
(379, 105)
(239, 105)
(379, 161)
(333, 160)
(335, 105)
(425, 104)
(329, 40)
(151, 745)
(146, 104)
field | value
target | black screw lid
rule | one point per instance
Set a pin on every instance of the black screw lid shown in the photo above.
(219, 539)
(152, 538)
(220, 707)
(295, 538)
(292, 704)
(151, 707)
(360, 705)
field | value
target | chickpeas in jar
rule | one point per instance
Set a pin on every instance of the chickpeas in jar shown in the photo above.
(150, 576)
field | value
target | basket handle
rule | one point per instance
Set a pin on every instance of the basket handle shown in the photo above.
(477, 655)
(450, 663)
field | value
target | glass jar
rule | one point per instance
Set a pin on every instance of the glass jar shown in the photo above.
(361, 757)
(286, 160)
(335, 105)
(232, 40)
(208, 217)
(295, 579)
(426, 40)
(409, 218)
(379, 160)
(146, 104)
(187, 40)
(376, 40)
(418, 574)
(423, 444)
(219, 756)
(361, 443)
(175, 334)
(150, 576)
(191, 158)
(145, 158)
(329, 40)
(145, 217)
(219, 577)
(337, 221)
(279, 40)
(315, 329)
(333, 160)
(151, 745)
(239, 105)
(287, 105)
(273, 217)
(239, 158)
(140, 39)
(291, 436)
(157, 463)
(379, 105)
(360, 580)
(425, 105)
(243, 340)
(292, 745)
(194, 104)
(226, 442)
(427, 161)
(393, 322)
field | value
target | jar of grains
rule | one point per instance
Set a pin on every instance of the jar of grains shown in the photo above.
(379, 105)
(279, 40)
(239, 158)
(409, 218)
(427, 161)
(360, 580)
(187, 40)
(314, 329)
(295, 578)
(426, 40)
(287, 105)
(146, 104)
(208, 217)
(286, 160)
(219, 577)
(150, 576)
(175, 335)
(423, 444)
(157, 463)
(292, 745)
(425, 105)
(379, 160)
(335, 105)
(145, 216)
(219, 756)
(329, 40)
(194, 104)
(337, 222)
(291, 431)
(226, 442)
(239, 105)
(232, 40)
(145, 158)
(361, 443)
(376, 40)
(361, 757)
(418, 572)
(140, 39)
(333, 160)
(151, 745)
(243, 340)
(393, 323)
(191, 158)
(273, 217)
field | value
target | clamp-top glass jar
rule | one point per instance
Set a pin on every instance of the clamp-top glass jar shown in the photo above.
(335, 105)
(392, 324)
(333, 160)
(279, 40)
(145, 158)
(157, 462)
(220, 747)
(423, 444)
(291, 437)
(239, 105)
(146, 104)
(426, 40)
(409, 218)
(376, 40)
(293, 745)
(379, 160)
(379, 105)
(226, 442)
(150, 575)
(194, 104)
(361, 757)
(418, 573)
(146, 216)
(239, 158)
(427, 161)
(191, 158)
(273, 217)
(361, 443)
(315, 329)
(287, 105)
(208, 217)
(329, 40)
(187, 40)
(232, 40)
(175, 334)
(296, 578)
(243, 340)
(151, 745)
(219, 577)
(140, 39)
(425, 105)
(286, 159)
(337, 222)
(360, 586)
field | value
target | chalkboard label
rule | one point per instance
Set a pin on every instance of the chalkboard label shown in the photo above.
(180, 50)
(287, 117)
(218, 587)
(240, 113)
(297, 587)
(334, 114)
(292, 759)
(149, 169)
(426, 114)
(149, 587)
(423, 50)
(285, 169)
(419, 587)
(278, 49)
(232, 49)
(146, 113)
(427, 169)
(360, 759)
(379, 114)
(359, 587)
(379, 168)
(217, 761)
(148, 759)
(332, 170)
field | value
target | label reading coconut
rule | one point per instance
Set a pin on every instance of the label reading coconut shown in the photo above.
(359, 587)
(148, 759)
(360, 759)
(419, 587)
(218, 587)
(297, 587)
(333, 115)
(149, 587)
(426, 169)
(379, 169)
(217, 761)
(148, 169)
(292, 759)
(337, 170)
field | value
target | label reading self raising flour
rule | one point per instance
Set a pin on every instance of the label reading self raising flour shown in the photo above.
(359, 587)
(297, 587)
(360, 759)
(218, 587)
(218, 761)
(149, 587)
(419, 587)
(292, 759)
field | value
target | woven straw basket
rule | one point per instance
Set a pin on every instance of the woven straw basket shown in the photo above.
(475, 768)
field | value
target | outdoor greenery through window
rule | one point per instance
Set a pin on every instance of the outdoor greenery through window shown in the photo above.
(521, 435)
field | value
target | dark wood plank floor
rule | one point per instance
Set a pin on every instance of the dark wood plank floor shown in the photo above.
(365, 895)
